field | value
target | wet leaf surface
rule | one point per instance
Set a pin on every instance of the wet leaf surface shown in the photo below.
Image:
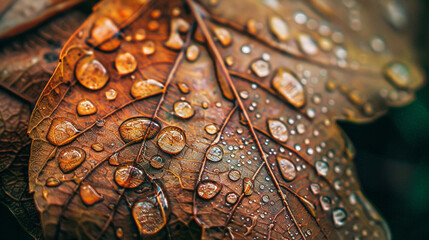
(26, 63)
(206, 116)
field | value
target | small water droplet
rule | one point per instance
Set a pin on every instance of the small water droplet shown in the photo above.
(211, 129)
(287, 168)
(307, 44)
(129, 176)
(148, 48)
(125, 63)
(192, 53)
(325, 202)
(322, 167)
(172, 139)
(261, 68)
(253, 26)
(89, 195)
(278, 130)
(52, 182)
(247, 186)
(138, 128)
(98, 147)
(287, 84)
(91, 73)
(279, 28)
(119, 233)
(153, 25)
(85, 107)
(143, 88)
(234, 175)
(215, 153)
(183, 87)
(157, 162)
(183, 109)
(315, 188)
(208, 189)
(231, 198)
(103, 29)
(61, 131)
(140, 34)
(223, 35)
(398, 73)
(111, 94)
(339, 216)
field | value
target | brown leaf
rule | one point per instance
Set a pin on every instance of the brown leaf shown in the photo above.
(162, 113)
(26, 63)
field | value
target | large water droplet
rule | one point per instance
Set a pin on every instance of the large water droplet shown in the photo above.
(231, 198)
(215, 153)
(278, 130)
(339, 216)
(61, 131)
(307, 44)
(287, 168)
(261, 68)
(125, 63)
(322, 167)
(129, 176)
(234, 175)
(279, 28)
(70, 158)
(183, 109)
(171, 139)
(287, 84)
(89, 195)
(91, 73)
(398, 73)
(208, 189)
(143, 88)
(138, 128)
(247, 186)
(104, 28)
(85, 107)
(223, 35)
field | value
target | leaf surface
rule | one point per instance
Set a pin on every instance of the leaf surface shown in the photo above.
(166, 114)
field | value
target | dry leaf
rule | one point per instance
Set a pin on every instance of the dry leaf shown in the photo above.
(165, 113)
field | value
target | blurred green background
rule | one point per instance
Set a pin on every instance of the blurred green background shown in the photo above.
(392, 160)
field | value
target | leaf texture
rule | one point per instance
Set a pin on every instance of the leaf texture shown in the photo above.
(164, 115)
(26, 65)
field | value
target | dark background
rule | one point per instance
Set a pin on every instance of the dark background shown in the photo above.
(392, 160)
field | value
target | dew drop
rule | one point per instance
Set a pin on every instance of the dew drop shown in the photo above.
(61, 131)
(138, 128)
(215, 153)
(111, 94)
(183, 109)
(231, 198)
(148, 48)
(211, 129)
(223, 35)
(325, 202)
(85, 107)
(322, 168)
(89, 195)
(339, 216)
(129, 176)
(103, 29)
(171, 139)
(91, 73)
(113, 160)
(208, 189)
(52, 182)
(398, 73)
(143, 88)
(229, 60)
(261, 68)
(315, 188)
(98, 147)
(279, 28)
(253, 27)
(174, 41)
(183, 87)
(192, 53)
(70, 158)
(119, 233)
(157, 162)
(307, 44)
(287, 168)
(247, 186)
(278, 130)
(234, 175)
(153, 25)
(287, 84)
(125, 63)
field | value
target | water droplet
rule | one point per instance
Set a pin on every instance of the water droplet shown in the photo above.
(148, 48)
(104, 28)
(205, 105)
(211, 129)
(398, 73)
(174, 41)
(119, 233)
(377, 44)
(339, 216)
(234, 175)
(157, 162)
(208, 189)
(261, 68)
(171, 140)
(52, 182)
(287, 168)
(98, 147)
(125, 63)
(253, 27)
(61, 131)
(325, 202)
(279, 28)
(278, 130)
(183, 87)
(396, 14)
(111, 94)
(307, 44)
(247, 186)
(149, 213)
(91, 73)
(231, 198)
(153, 25)
(144, 88)
(192, 53)
(215, 153)
(129, 176)
(322, 167)
(85, 107)
(324, 7)
(229, 60)
(315, 188)
(113, 160)
(223, 35)
(89, 195)
(287, 84)
(140, 34)
(70, 158)
(135, 129)
(183, 109)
